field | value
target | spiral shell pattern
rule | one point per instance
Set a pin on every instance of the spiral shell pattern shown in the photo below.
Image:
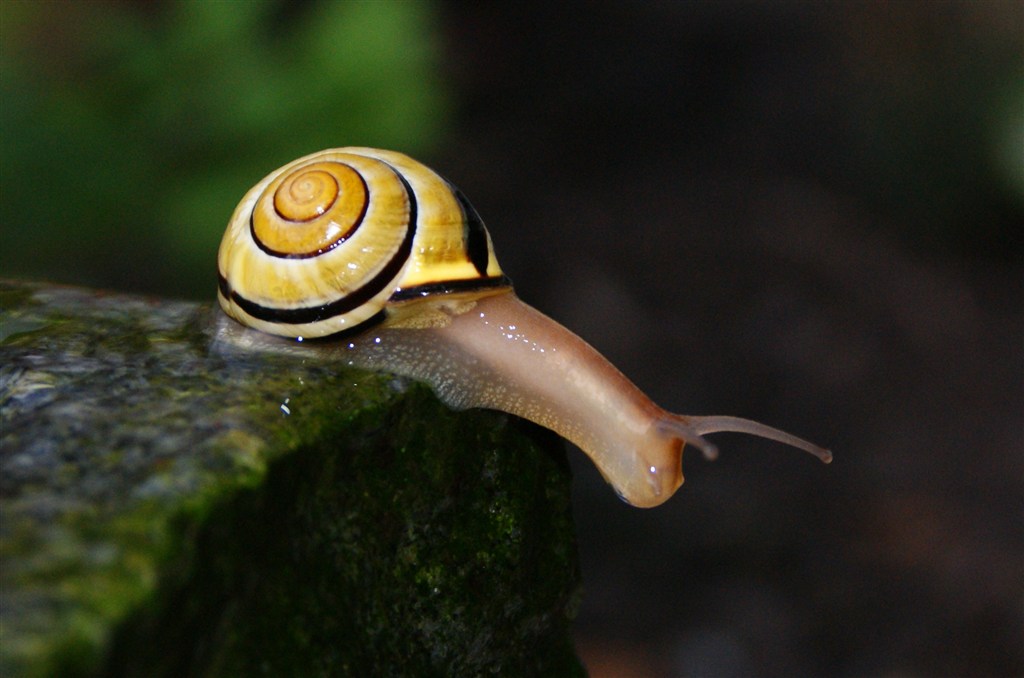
(328, 242)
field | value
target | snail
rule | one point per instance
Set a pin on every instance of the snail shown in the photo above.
(391, 266)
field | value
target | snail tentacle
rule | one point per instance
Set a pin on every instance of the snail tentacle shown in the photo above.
(679, 426)
(722, 424)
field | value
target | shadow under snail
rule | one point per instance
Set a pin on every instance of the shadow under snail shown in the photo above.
(388, 260)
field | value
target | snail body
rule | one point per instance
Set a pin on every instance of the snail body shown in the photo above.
(389, 263)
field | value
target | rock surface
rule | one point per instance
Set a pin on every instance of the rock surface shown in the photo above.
(169, 510)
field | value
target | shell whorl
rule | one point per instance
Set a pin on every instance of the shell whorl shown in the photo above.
(324, 244)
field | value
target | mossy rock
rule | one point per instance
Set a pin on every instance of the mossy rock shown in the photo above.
(168, 510)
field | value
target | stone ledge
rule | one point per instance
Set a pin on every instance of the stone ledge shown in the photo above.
(170, 511)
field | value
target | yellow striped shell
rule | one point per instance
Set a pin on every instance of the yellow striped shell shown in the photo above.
(336, 239)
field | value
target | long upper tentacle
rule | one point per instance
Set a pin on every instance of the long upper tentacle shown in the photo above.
(718, 423)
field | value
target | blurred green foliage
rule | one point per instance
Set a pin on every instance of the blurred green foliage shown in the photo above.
(129, 132)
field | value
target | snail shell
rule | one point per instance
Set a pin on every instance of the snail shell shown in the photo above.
(328, 242)
(384, 256)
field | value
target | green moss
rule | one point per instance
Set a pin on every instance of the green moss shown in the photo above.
(431, 544)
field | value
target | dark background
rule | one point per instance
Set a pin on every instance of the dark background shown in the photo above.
(806, 214)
